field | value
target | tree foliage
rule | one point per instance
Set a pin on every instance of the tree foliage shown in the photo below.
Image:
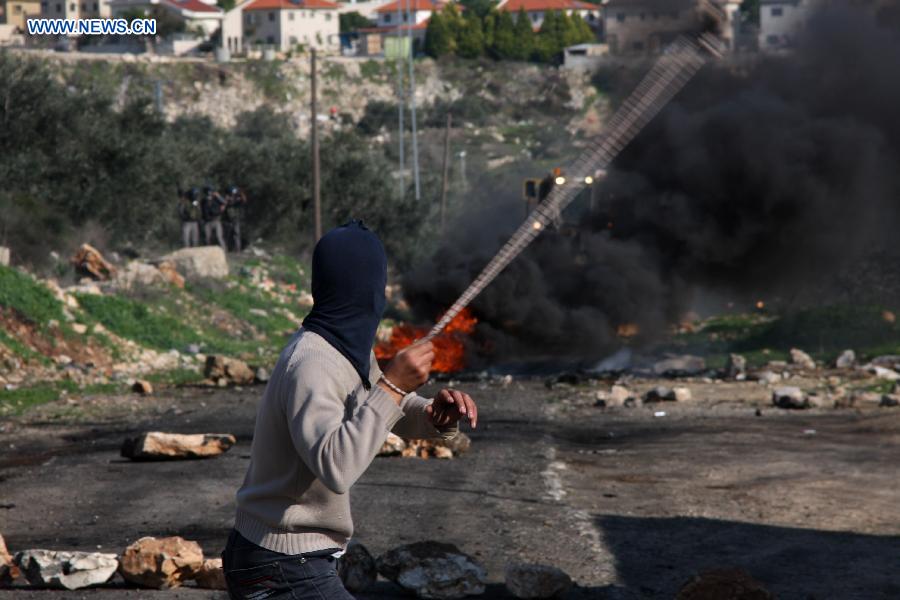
(351, 21)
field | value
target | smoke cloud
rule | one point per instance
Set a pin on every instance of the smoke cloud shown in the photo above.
(769, 176)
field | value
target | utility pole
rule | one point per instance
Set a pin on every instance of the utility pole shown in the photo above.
(412, 100)
(314, 136)
(400, 102)
(446, 172)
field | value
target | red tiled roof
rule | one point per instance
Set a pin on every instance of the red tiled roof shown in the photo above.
(291, 4)
(545, 5)
(194, 6)
(389, 29)
(413, 5)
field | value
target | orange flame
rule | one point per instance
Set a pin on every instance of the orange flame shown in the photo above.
(449, 349)
(627, 330)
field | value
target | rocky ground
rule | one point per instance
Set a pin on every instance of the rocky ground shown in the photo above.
(630, 501)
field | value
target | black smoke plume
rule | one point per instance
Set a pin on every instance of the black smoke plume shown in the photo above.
(766, 176)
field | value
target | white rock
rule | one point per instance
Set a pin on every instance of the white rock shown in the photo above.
(79, 328)
(433, 570)
(536, 581)
(768, 377)
(802, 359)
(200, 263)
(392, 446)
(67, 570)
(789, 397)
(681, 394)
(846, 360)
(883, 372)
(4, 256)
(138, 274)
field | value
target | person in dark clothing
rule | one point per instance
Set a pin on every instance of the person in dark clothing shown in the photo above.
(213, 211)
(235, 203)
(189, 212)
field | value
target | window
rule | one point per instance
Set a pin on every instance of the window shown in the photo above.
(293, 40)
(534, 17)
(772, 40)
(637, 46)
(387, 18)
(84, 6)
(72, 7)
(270, 40)
(620, 17)
(17, 9)
(59, 8)
(327, 16)
(249, 19)
(95, 6)
(290, 15)
(404, 17)
(777, 11)
(271, 17)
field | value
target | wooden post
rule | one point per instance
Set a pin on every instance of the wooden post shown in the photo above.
(314, 137)
(444, 179)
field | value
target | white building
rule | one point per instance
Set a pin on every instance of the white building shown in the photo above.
(285, 24)
(421, 11)
(536, 9)
(780, 21)
(201, 16)
(233, 28)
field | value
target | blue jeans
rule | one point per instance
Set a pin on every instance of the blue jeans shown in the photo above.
(254, 573)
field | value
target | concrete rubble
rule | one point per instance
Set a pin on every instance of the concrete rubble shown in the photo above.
(157, 445)
(205, 262)
(724, 584)
(228, 371)
(161, 563)
(536, 581)
(432, 569)
(211, 576)
(618, 396)
(66, 570)
(357, 568)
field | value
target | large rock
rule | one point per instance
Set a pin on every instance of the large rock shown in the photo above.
(211, 576)
(736, 367)
(161, 563)
(846, 359)
(724, 584)
(137, 274)
(680, 366)
(156, 445)
(66, 570)
(231, 370)
(536, 581)
(433, 570)
(789, 397)
(357, 568)
(170, 273)
(200, 263)
(802, 359)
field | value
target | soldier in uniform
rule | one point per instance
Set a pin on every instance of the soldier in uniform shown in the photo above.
(189, 213)
(213, 210)
(236, 200)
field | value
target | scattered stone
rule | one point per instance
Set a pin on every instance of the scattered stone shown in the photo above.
(736, 366)
(768, 377)
(8, 570)
(192, 349)
(458, 444)
(802, 359)
(619, 395)
(138, 274)
(170, 273)
(161, 563)
(790, 397)
(142, 387)
(88, 262)
(864, 400)
(433, 570)
(357, 568)
(846, 360)
(66, 570)
(657, 394)
(442, 452)
(882, 372)
(260, 375)
(392, 446)
(258, 312)
(681, 394)
(63, 360)
(79, 328)
(679, 366)
(199, 263)
(724, 584)
(889, 400)
(232, 370)
(4, 256)
(890, 361)
(211, 576)
(156, 445)
(536, 581)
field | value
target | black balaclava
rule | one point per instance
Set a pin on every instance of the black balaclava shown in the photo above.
(349, 273)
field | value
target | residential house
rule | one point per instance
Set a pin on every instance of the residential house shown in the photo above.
(648, 26)
(232, 37)
(16, 12)
(536, 9)
(399, 20)
(781, 21)
(285, 24)
(201, 16)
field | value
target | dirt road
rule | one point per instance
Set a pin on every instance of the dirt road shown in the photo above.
(630, 504)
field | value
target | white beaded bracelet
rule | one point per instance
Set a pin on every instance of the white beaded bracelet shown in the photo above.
(391, 385)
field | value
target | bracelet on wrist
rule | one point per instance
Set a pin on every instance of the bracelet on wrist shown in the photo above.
(393, 386)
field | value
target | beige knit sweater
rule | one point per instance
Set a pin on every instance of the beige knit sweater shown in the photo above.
(317, 429)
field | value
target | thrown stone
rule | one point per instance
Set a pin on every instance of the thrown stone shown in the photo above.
(536, 581)
(846, 360)
(736, 366)
(357, 568)
(680, 366)
(392, 446)
(433, 570)
(789, 397)
(161, 563)
(66, 570)
(724, 584)
(142, 387)
(232, 370)
(802, 359)
(211, 576)
(157, 445)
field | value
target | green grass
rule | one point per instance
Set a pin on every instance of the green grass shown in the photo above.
(20, 349)
(175, 377)
(239, 302)
(288, 270)
(134, 320)
(20, 400)
(28, 298)
(371, 70)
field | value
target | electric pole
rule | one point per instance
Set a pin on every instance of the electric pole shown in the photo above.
(412, 99)
(314, 136)
(401, 104)
(446, 172)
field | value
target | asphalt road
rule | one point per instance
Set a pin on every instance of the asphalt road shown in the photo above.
(629, 504)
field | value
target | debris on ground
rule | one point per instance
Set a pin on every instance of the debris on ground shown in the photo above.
(724, 584)
(357, 568)
(137, 274)
(432, 569)
(156, 445)
(790, 397)
(161, 563)
(142, 387)
(618, 396)
(664, 394)
(536, 581)
(211, 576)
(392, 446)
(88, 262)
(228, 371)
(66, 570)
